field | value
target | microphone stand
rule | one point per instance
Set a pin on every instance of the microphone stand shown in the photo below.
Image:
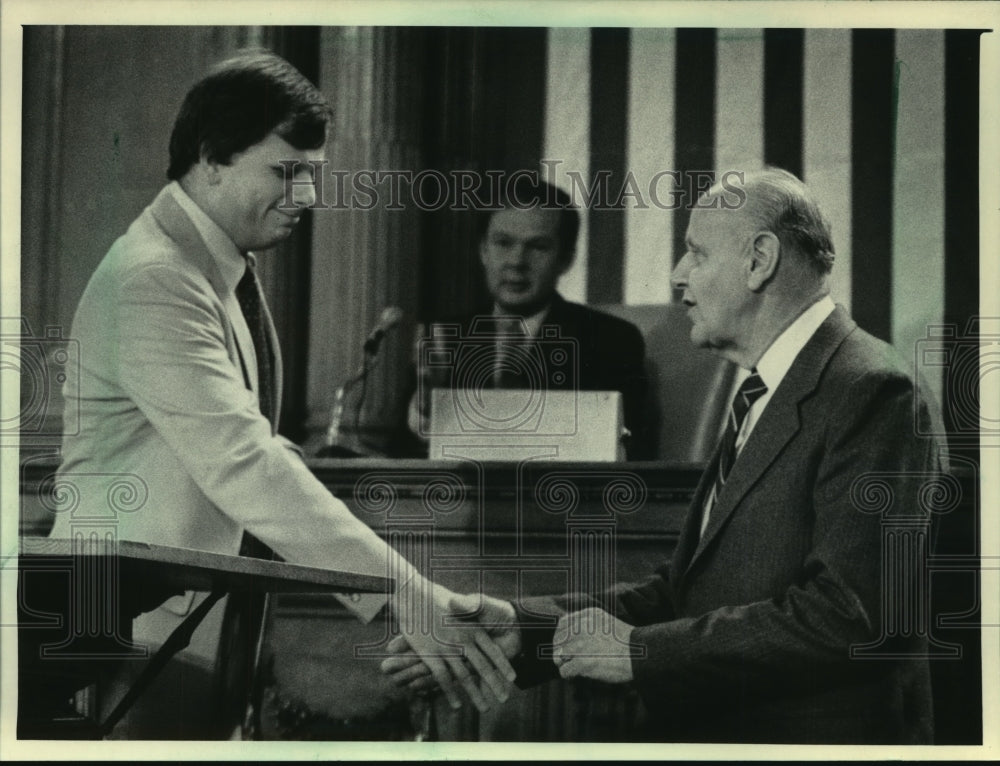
(389, 319)
(333, 446)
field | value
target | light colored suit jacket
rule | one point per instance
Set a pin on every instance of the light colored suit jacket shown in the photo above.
(172, 446)
(748, 630)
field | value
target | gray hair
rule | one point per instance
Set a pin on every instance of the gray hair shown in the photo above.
(781, 203)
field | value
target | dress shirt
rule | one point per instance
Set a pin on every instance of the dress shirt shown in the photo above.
(772, 367)
(532, 323)
(778, 358)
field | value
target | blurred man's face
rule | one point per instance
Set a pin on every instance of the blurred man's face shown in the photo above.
(713, 277)
(252, 193)
(521, 258)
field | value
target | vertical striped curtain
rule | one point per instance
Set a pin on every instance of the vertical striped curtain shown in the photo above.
(860, 115)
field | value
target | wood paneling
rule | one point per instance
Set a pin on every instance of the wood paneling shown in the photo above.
(500, 528)
(495, 528)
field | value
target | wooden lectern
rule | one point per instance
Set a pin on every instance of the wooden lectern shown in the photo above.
(76, 600)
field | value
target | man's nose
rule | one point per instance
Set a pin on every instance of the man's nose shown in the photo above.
(304, 193)
(679, 276)
(516, 256)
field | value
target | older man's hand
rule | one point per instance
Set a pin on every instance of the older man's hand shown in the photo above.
(593, 644)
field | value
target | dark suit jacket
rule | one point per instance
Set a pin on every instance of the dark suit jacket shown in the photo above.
(609, 354)
(748, 631)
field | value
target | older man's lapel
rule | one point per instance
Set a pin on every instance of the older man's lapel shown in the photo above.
(691, 529)
(779, 422)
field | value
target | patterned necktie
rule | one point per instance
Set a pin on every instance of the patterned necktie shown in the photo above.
(248, 294)
(508, 368)
(251, 304)
(749, 392)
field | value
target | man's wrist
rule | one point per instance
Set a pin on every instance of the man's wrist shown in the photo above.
(517, 641)
(410, 586)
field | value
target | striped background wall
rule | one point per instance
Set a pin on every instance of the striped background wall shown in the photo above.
(860, 115)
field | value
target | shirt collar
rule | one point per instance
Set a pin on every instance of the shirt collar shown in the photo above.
(532, 323)
(778, 358)
(230, 260)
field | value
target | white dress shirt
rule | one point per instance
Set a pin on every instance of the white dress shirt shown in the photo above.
(778, 359)
(772, 368)
(533, 323)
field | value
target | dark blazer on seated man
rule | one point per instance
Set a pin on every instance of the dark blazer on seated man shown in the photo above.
(606, 353)
(525, 247)
(778, 618)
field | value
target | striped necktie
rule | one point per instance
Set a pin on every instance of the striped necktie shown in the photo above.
(749, 392)
(509, 361)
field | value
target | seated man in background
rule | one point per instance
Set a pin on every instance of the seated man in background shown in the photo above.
(525, 246)
(778, 617)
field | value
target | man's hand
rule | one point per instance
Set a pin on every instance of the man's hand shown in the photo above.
(593, 644)
(474, 654)
(495, 618)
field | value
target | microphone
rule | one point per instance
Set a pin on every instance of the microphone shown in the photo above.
(334, 447)
(391, 317)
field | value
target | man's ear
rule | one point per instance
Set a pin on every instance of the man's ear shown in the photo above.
(209, 168)
(765, 253)
(212, 174)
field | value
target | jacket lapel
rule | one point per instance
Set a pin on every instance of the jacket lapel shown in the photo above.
(191, 247)
(276, 369)
(688, 540)
(558, 311)
(778, 423)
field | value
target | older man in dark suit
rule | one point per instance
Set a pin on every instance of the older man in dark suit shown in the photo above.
(761, 626)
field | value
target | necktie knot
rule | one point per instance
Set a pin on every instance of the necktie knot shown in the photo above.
(750, 390)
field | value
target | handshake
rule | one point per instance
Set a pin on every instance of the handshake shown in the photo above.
(474, 648)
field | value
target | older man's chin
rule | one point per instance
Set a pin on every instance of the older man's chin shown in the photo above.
(698, 338)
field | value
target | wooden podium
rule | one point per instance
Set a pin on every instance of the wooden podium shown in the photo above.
(85, 592)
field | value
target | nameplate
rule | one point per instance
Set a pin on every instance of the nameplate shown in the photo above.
(523, 424)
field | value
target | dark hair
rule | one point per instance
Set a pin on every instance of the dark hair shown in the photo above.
(524, 190)
(239, 103)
